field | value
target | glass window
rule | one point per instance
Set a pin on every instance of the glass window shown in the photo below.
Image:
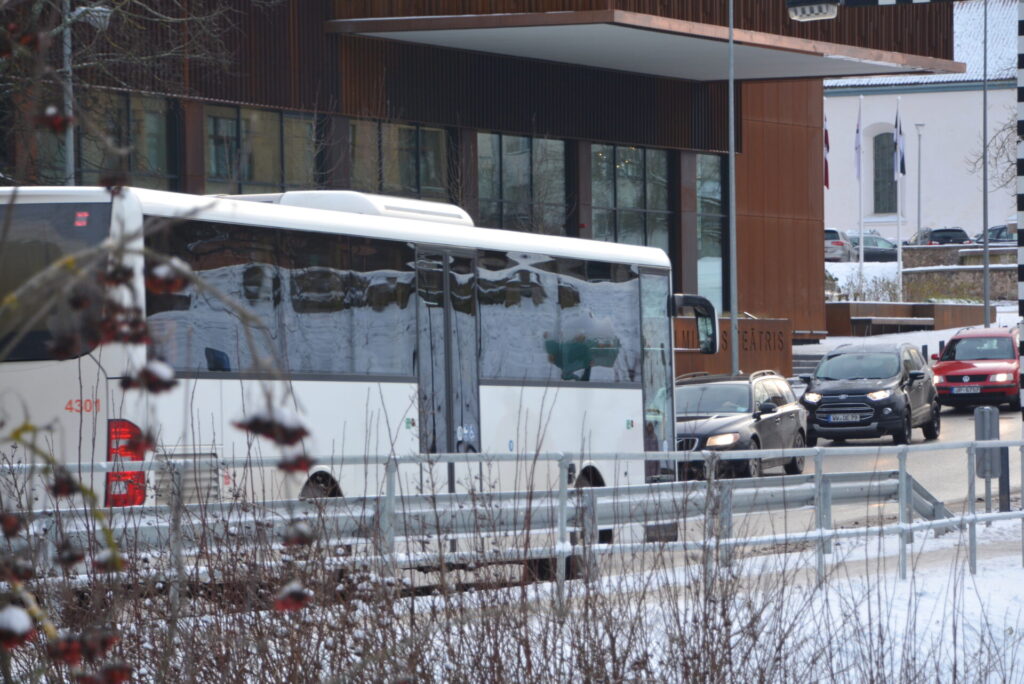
(365, 154)
(656, 331)
(433, 163)
(37, 236)
(300, 147)
(545, 319)
(399, 159)
(631, 185)
(884, 180)
(521, 181)
(104, 139)
(711, 229)
(260, 149)
(222, 150)
(149, 139)
(329, 304)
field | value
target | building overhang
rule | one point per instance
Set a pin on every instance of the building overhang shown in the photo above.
(643, 44)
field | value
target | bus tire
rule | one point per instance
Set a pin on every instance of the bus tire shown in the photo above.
(320, 486)
(590, 477)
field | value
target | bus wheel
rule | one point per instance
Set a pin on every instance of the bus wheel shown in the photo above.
(320, 486)
(591, 478)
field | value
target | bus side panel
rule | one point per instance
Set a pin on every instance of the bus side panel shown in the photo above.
(69, 404)
(576, 420)
(350, 419)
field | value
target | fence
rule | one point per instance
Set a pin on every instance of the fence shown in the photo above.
(385, 529)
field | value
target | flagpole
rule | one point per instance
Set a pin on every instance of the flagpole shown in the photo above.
(860, 193)
(897, 159)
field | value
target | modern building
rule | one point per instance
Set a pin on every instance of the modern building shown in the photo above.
(602, 119)
(942, 126)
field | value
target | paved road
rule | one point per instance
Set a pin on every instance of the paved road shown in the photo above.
(943, 473)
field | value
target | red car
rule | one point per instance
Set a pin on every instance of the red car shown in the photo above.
(979, 366)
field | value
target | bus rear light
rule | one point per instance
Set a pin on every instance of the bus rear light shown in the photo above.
(125, 443)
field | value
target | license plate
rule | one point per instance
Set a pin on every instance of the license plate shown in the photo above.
(969, 389)
(843, 418)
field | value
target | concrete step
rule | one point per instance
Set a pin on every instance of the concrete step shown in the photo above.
(805, 363)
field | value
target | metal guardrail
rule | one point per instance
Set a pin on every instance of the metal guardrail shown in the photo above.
(376, 525)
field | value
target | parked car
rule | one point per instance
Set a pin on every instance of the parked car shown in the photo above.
(837, 246)
(756, 411)
(876, 248)
(1003, 233)
(979, 366)
(870, 390)
(941, 236)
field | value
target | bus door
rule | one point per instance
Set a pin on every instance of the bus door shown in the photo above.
(448, 359)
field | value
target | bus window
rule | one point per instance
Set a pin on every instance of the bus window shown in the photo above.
(32, 238)
(545, 319)
(330, 304)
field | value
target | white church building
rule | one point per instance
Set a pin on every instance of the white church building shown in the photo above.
(941, 119)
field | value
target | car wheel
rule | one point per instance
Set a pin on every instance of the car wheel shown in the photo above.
(753, 467)
(902, 436)
(795, 465)
(812, 439)
(1015, 403)
(931, 428)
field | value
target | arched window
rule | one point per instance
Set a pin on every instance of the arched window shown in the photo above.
(885, 182)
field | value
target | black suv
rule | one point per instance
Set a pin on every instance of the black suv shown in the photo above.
(740, 412)
(941, 236)
(870, 390)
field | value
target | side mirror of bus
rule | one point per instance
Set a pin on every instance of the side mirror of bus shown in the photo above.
(705, 316)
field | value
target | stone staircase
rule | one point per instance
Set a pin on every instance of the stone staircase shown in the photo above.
(804, 363)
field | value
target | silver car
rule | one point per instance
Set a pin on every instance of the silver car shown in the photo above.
(837, 246)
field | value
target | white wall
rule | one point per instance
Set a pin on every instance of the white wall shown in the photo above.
(951, 194)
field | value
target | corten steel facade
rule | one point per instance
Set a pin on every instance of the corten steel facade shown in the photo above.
(294, 61)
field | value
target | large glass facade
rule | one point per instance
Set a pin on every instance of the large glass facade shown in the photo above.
(712, 228)
(121, 135)
(629, 189)
(521, 181)
(399, 159)
(258, 150)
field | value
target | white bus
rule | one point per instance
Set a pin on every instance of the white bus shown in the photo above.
(393, 325)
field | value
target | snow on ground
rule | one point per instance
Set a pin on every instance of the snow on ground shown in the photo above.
(844, 271)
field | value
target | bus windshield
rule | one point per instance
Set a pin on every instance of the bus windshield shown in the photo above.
(33, 236)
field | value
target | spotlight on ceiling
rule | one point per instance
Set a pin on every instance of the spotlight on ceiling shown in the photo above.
(812, 10)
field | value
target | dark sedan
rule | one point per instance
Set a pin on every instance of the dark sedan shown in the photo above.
(741, 412)
(876, 248)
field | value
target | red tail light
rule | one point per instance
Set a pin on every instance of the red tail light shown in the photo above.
(124, 444)
(838, 243)
(932, 242)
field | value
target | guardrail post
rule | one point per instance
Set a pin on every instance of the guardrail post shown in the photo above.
(903, 510)
(588, 496)
(819, 461)
(387, 509)
(725, 526)
(972, 532)
(826, 513)
(563, 531)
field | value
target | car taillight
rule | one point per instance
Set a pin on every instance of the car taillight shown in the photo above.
(837, 243)
(125, 444)
(933, 242)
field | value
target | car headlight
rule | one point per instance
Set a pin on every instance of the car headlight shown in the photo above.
(999, 377)
(812, 397)
(878, 395)
(723, 440)
(940, 378)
